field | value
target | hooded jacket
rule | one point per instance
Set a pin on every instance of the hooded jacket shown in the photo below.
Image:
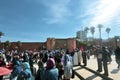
(26, 73)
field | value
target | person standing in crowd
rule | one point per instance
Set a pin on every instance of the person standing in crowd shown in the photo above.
(2, 62)
(16, 70)
(59, 64)
(25, 74)
(75, 57)
(51, 72)
(31, 62)
(98, 53)
(109, 55)
(8, 56)
(79, 57)
(117, 56)
(105, 60)
(67, 65)
(84, 56)
(41, 70)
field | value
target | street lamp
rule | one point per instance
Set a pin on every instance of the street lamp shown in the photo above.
(117, 42)
(117, 39)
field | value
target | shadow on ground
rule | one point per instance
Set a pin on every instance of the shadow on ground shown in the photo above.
(114, 71)
(91, 77)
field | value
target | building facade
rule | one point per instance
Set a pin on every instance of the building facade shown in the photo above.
(81, 35)
(51, 43)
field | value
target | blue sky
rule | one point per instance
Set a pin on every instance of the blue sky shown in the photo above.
(36, 20)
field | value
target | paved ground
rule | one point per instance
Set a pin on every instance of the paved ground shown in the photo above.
(114, 73)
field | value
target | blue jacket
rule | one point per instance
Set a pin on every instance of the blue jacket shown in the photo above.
(67, 58)
(16, 70)
(51, 74)
(26, 73)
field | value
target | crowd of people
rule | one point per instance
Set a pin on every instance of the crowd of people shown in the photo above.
(54, 64)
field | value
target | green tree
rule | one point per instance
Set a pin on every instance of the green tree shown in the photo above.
(1, 34)
(108, 31)
(100, 26)
(7, 45)
(19, 44)
(86, 29)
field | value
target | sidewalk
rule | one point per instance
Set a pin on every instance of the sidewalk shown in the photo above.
(114, 73)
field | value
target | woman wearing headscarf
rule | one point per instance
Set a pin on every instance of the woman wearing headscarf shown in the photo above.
(51, 72)
(68, 65)
(25, 74)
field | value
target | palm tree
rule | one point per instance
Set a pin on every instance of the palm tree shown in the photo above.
(92, 29)
(86, 31)
(108, 31)
(99, 27)
(1, 34)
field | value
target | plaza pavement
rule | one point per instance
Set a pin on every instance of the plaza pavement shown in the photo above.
(114, 73)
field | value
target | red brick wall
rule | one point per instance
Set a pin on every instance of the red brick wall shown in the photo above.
(51, 43)
(71, 43)
(27, 45)
(61, 43)
(32, 45)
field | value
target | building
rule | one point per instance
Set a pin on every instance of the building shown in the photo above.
(51, 43)
(55, 43)
(90, 38)
(81, 35)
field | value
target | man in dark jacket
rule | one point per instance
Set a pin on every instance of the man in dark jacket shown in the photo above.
(105, 60)
(117, 56)
(99, 59)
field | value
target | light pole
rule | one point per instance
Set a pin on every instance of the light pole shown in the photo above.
(117, 40)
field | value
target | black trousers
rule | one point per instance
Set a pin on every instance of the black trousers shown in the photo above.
(99, 62)
(105, 66)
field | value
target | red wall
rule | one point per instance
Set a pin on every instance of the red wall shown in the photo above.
(51, 43)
